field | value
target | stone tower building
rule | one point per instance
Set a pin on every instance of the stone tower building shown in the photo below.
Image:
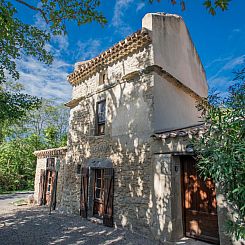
(129, 162)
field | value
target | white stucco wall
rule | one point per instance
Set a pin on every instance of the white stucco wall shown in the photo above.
(173, 108)
(174, 51)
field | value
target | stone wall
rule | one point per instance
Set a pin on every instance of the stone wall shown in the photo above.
(60, 182)
(41, 164)
(129, 106)
(115, 71)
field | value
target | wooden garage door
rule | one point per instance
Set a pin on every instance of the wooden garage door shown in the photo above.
(199, 203)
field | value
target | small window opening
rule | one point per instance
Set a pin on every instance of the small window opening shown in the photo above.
(50, 163)
(102, 77)
(100, 117)
(79, 167)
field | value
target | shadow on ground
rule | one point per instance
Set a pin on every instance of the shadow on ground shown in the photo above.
(36, 226)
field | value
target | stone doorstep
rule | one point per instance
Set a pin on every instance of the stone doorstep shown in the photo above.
(96, 220)
(186, 241)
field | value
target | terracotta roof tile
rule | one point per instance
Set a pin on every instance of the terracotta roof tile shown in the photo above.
(128, 45)
(192, 130)
(51, 152)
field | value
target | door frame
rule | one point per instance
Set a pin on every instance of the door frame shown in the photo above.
(183, 201)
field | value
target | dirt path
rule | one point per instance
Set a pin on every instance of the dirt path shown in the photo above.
(6, 201)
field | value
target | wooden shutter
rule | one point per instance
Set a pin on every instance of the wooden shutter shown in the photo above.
(108, 196)
(84, 192)
(41, 187)
(54, 188)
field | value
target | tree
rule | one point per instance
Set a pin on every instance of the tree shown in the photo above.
(17, 164)
(40, 128)
(18, 38)
(211, 5)
(221, 149)
(14, 105)
(50, 123)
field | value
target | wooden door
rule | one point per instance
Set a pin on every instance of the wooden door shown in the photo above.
(98, 207)
(50, 178)
(42, 182)
(84, 192)
(199, 204)
(108, 196)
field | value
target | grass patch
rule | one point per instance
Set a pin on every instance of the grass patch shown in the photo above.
(13, 192)
(20, 202)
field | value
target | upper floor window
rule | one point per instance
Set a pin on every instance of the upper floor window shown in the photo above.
(102, 77)
(101, 109)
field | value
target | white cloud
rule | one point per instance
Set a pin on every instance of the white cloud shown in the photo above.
(140, 6)
(234, 62)
(230, 65)
(217, 61)
(220, 85)
(61, 42)
(87, 50)
(45, 81)
(120, 8)
(234, 34)
(223, 78)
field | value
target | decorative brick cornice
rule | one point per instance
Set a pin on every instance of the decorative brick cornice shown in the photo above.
(51, 152)
(129, 45)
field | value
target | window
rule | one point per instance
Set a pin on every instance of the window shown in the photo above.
(79, 167)
(101, 108)
(98, 184)
(50, 163)
(103, 77)
(98, 207)
(49, 183)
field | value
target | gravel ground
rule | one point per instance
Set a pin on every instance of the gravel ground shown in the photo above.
(35, 226)
(32, 225)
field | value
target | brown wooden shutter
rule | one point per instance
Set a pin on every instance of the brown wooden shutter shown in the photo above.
(41, 187)
(54, 188)
(84, 192)
(108, 196)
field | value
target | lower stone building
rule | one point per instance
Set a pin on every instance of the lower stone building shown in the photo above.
(156, 191)
(49, 176)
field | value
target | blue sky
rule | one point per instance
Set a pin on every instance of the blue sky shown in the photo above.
(219, 40)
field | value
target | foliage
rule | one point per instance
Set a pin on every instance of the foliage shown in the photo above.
(17, 164)
(211, 5)
(49, 122)
(14, 105)
(18, 38)
(40, 128)
(221, 150)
